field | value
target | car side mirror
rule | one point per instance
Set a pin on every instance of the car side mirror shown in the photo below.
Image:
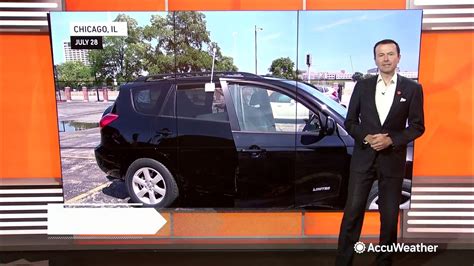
(329, 126)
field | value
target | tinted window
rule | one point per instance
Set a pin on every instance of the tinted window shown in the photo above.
(279, 97)
(194, 102)
(148, 100)
(262, 109)
(342, 111)
(168, 108)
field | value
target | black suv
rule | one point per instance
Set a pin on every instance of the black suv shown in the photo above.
(246, 141)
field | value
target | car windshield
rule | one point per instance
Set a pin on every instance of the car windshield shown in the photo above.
(326, 100)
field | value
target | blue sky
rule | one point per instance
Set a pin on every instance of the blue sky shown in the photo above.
(334, 38)
(235, 34)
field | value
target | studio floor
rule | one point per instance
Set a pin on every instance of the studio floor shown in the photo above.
(225, 258)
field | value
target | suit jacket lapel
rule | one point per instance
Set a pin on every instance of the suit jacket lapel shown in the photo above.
(399, 93)
(371, 99)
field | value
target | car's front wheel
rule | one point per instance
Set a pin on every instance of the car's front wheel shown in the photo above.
(372, 202)
(149, 182)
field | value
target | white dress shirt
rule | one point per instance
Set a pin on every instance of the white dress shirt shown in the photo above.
(384, 95)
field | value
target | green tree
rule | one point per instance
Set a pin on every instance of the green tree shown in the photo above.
(222, 63)
(190, 43)
(159, 58)
(283, 67)
(99, 71)
(121, 57)
(74, 74)
(178, 42)
(226, 63)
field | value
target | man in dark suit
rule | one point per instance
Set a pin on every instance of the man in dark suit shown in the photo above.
(385, 114)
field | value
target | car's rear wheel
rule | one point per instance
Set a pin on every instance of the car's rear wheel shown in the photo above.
(149, 182)
(372, 202)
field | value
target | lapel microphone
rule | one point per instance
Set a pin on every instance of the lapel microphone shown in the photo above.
(383, 93)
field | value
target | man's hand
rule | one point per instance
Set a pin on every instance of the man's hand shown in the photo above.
(379, 142)
(369, 139)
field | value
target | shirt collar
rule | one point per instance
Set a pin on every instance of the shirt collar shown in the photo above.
(392, 81)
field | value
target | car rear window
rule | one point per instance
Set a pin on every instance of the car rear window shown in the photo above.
(147, 100)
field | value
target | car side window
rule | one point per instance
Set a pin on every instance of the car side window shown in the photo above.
(277, 97)
(291, 115)
(253, 108)
(147, 100)
(194, 102)
(261, 109)
(168, 108)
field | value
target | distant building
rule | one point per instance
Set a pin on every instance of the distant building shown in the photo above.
(376, 70)
(327, 75)
(407, 74)
(343, 75)
(73, 55)
(373, 71)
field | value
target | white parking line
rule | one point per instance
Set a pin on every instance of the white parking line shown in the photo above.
(86, 194)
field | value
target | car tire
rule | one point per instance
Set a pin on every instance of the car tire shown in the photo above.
(374, 196)
(150, 183)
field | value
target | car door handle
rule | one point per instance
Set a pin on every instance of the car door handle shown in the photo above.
(255, 152)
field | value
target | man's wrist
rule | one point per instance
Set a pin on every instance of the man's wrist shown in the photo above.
(390, 141)
(365, 141)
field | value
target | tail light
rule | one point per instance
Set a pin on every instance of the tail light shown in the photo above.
(107, 119)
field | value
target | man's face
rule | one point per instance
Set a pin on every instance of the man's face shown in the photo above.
(387, 58)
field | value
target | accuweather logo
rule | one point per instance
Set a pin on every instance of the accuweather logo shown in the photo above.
(360, 247)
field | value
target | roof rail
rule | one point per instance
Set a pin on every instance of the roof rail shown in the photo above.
(195, 74)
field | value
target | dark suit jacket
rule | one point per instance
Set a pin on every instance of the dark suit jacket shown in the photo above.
(404, 123)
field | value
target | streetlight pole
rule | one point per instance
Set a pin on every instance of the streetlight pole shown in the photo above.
(309, 61)
(256, 46)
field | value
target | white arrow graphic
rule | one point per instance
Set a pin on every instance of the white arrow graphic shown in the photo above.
(63, 220)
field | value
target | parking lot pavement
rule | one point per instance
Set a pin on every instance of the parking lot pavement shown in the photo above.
(89, 112)
(88, 138)
(83, 181)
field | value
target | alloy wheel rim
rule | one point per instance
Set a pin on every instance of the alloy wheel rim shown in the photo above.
(148, 185)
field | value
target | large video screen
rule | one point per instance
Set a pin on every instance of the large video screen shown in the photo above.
(241, 110)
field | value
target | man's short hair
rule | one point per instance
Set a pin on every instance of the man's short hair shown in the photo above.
(387, 41)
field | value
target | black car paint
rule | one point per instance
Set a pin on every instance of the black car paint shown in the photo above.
(217, 165)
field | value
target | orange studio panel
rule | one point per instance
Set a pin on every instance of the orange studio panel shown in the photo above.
(176, 5)
(115, 5)
(28, 121)
(258, 224)
(354, 5)
(326, 224)
(446, 67)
